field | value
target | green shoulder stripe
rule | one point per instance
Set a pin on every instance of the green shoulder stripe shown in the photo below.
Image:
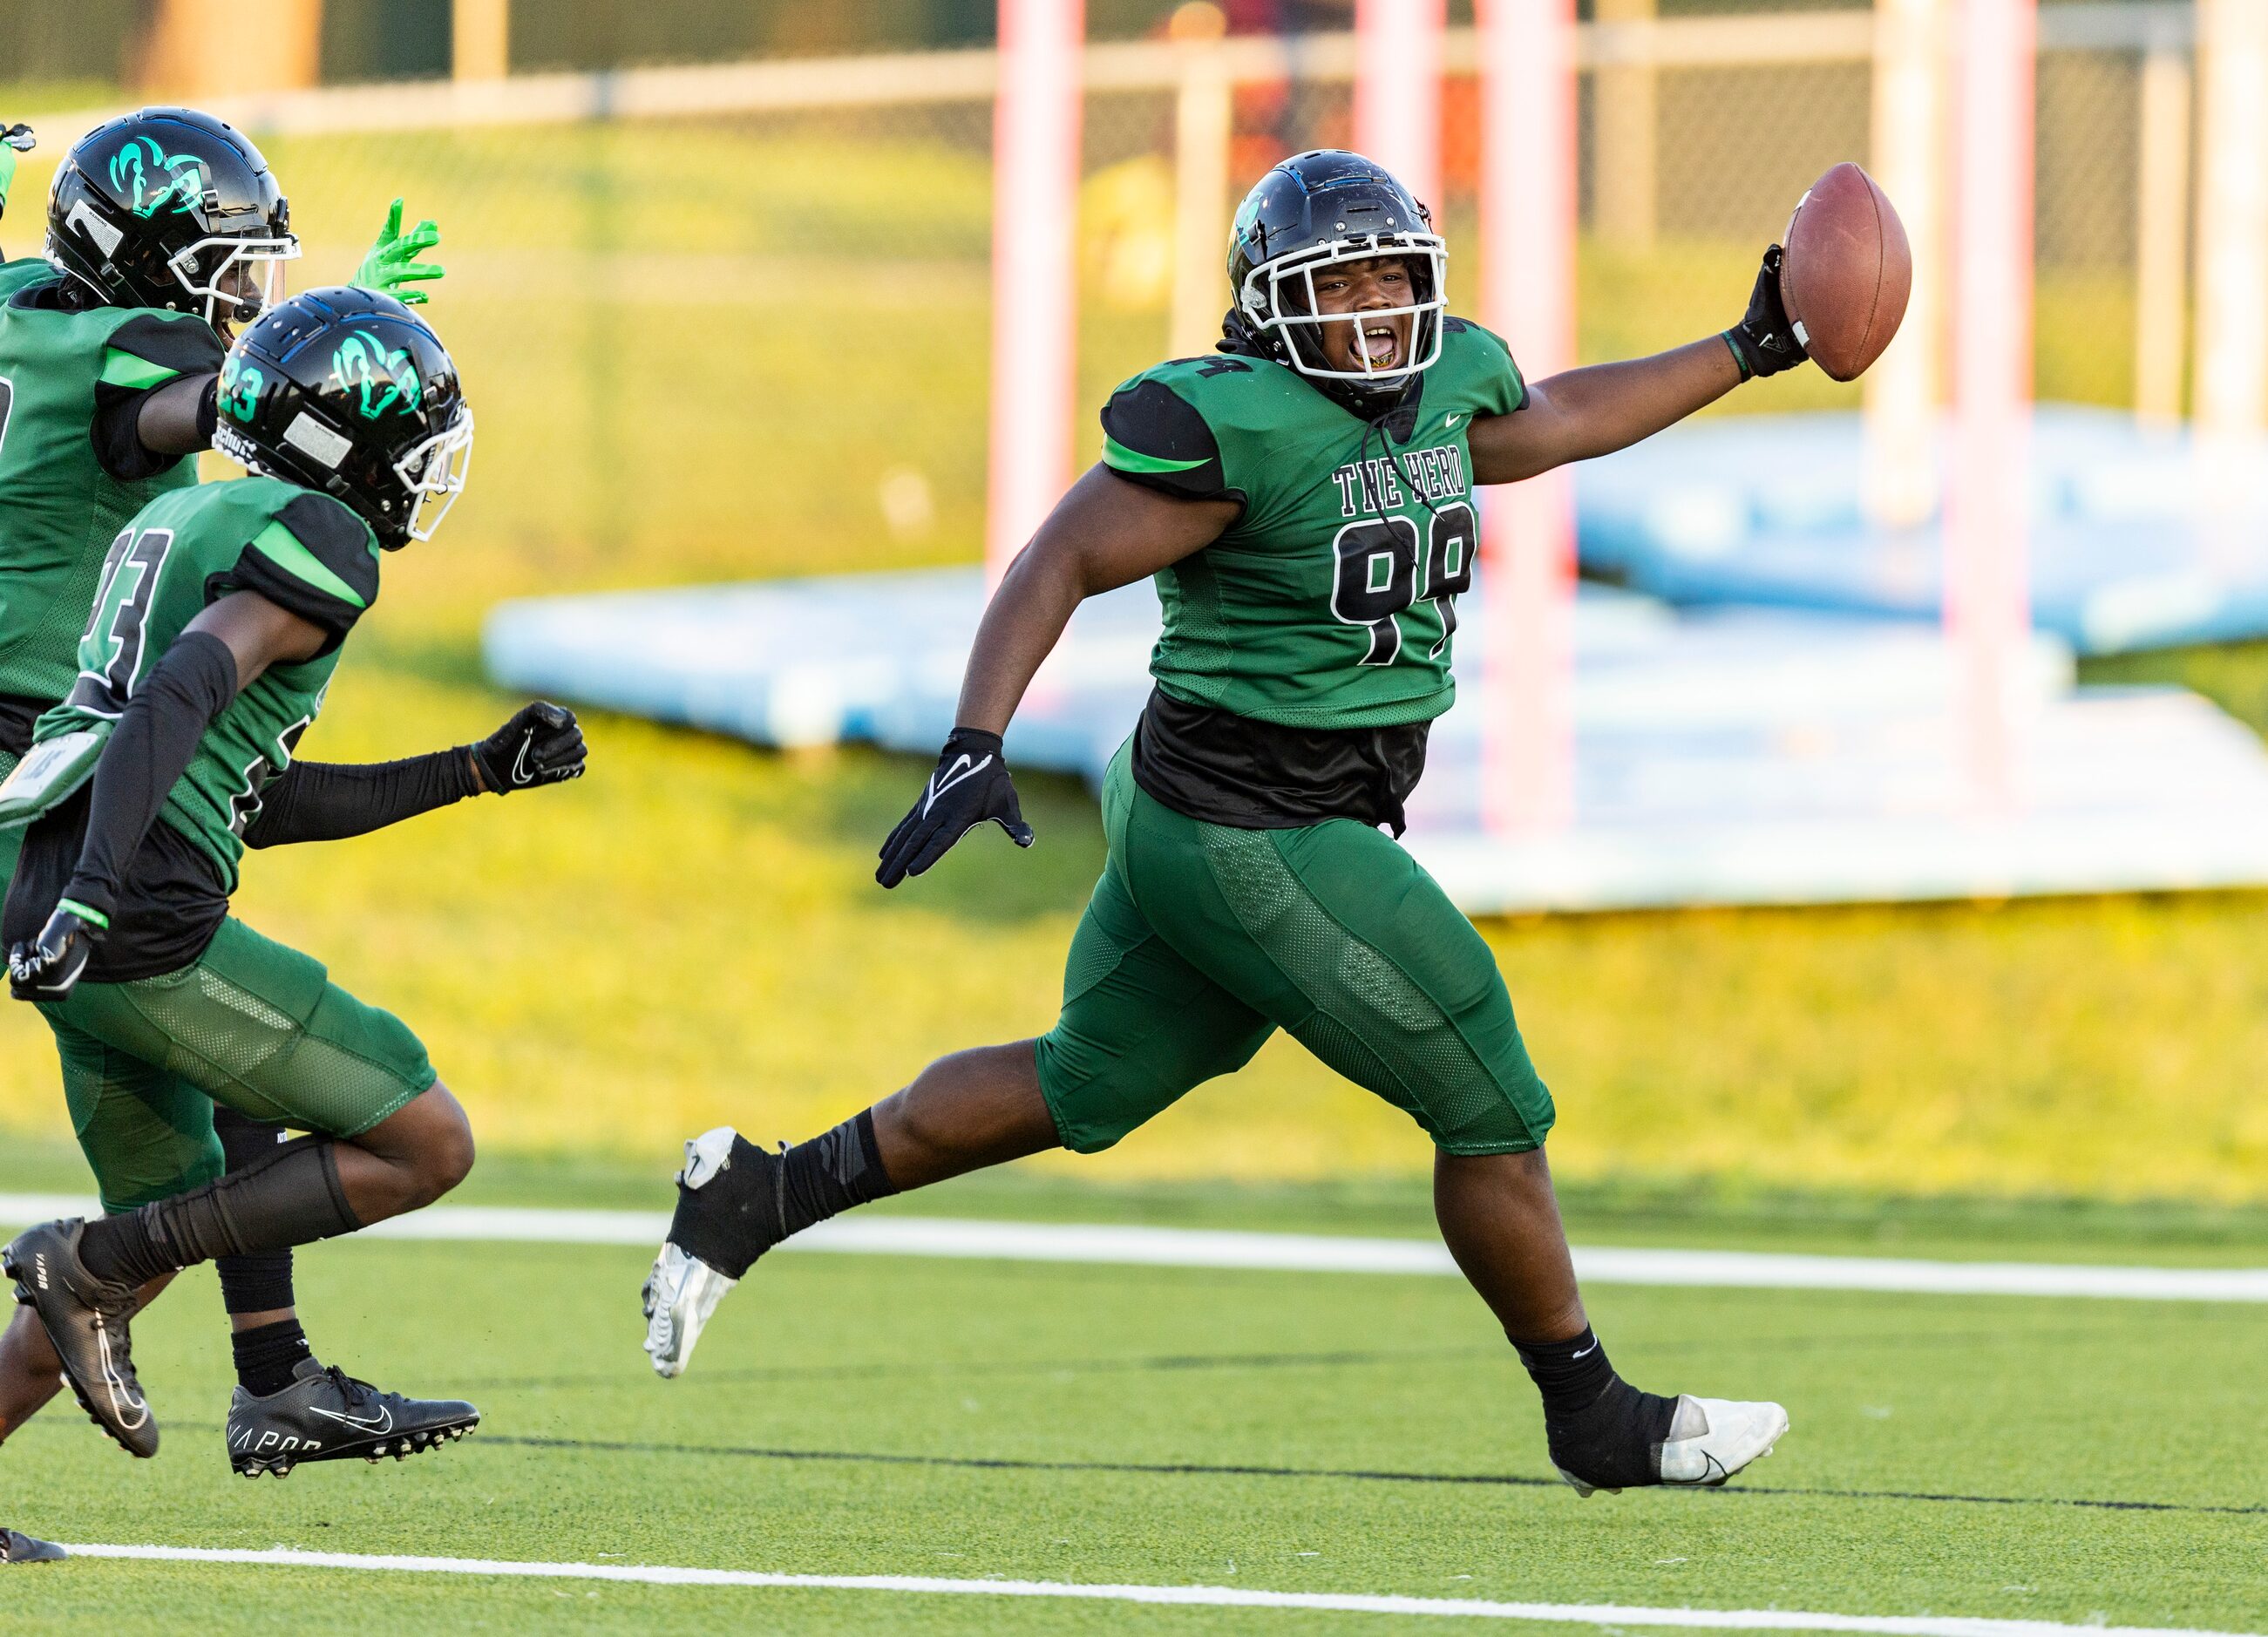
(123, 369)
(1119, 457)
(280, 546)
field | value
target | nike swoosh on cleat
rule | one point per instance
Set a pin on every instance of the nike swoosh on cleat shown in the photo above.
(382, 1423)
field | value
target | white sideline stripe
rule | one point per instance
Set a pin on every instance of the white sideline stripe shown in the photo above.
(1201, 1597)
(1304, 1253)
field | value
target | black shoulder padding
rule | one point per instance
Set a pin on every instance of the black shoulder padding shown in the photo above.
(1157, 438)
(117, 433)
(185, 345)
(335, 538)
(339, 539)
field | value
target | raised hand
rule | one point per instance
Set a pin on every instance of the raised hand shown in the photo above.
(391, 267)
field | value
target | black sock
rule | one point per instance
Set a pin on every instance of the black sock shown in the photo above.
(1600, 1428)
(288, 1198)
(760, 1199)
(261, 1282)
(266, 1356)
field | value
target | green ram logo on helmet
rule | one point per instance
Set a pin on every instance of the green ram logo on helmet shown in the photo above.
(382, 379)
(178, 179)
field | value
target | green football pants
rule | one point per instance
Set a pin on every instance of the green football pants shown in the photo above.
(1201, 940)
(250, 1023)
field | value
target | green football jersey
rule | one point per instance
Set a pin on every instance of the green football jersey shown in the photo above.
(1330, 601)
(60, 503)
(183, 552)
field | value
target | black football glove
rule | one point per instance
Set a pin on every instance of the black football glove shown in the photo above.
(540, 745)
(971, 785)
(1765, 341)
(45, 968)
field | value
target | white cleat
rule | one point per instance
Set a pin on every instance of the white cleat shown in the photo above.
(682, 1291)
(1710, 1440)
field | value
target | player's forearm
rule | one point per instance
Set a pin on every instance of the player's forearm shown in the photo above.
(149, 750)
(1583, 413)
(179, 418)
(330, 800)
(1023, 623)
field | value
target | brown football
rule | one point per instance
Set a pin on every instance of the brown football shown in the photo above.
(1846, 272)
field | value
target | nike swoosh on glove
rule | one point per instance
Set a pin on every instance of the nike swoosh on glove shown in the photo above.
(970, 785)
(540, 745)
(1764, 342)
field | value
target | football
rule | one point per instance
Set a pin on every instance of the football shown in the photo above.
(1846, 272)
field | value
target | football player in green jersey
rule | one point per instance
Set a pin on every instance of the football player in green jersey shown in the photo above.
(164, 229)
(1305, 501)
(214, 632)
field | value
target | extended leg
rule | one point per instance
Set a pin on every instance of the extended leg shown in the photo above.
(81, 1277)
(260, 1028)
(1140, 1026)
(736, 1201)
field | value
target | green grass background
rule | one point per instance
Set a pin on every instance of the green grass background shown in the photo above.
(762, 1456)
(695, 351)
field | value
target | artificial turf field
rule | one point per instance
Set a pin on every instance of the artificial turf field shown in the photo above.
(2050, 1460)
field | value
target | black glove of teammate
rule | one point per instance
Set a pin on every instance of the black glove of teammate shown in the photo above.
(1765, 341)
(540, 745)
(46, 968)
(971, 785)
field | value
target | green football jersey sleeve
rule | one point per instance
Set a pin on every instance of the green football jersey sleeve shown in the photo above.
(60, 505)
(1330, 601)
(183, 552)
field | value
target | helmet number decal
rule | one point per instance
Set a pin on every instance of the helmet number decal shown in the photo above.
(1375, 578)
(239, 389)
(110, 654)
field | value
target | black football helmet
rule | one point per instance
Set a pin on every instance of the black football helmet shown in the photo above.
(348, 391)
(1313, 209)
(170, 208)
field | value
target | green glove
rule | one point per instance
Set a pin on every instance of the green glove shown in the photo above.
(391, 266)
(14, 140)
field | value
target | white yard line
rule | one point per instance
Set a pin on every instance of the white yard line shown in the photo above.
(1306, 1253)
(1198, 1596)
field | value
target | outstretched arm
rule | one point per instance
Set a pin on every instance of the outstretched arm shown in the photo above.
(1107, 532)
(331, 801)
(1601, 408)
(1580, 413)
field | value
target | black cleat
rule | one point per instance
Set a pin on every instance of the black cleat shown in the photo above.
(85, 1319)
(728, 1196)
(328, 1415)
(15, 1548)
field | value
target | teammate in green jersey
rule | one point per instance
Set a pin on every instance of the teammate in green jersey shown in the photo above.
(109, 361)
(211, 645)
(1304, 499)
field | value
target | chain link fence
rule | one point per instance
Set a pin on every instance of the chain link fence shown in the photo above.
(756, 343)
